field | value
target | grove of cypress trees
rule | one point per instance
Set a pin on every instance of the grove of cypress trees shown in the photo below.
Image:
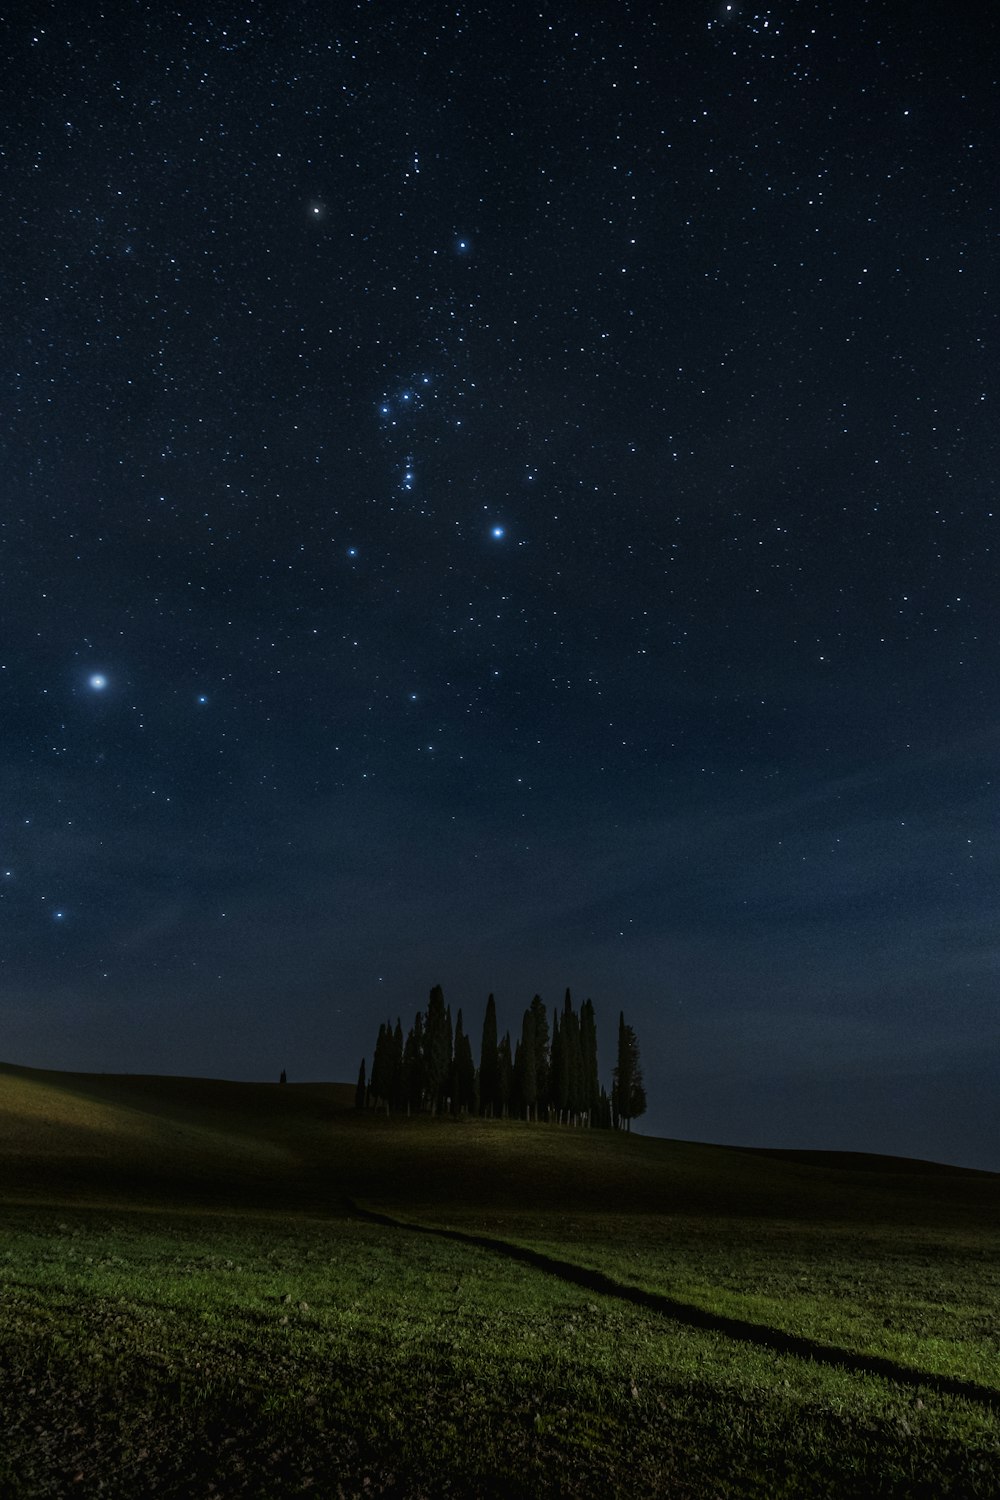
(434, 1067)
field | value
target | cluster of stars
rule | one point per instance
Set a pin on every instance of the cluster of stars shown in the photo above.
(545, 437)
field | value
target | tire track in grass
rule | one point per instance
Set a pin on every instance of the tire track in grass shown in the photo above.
(692, 1316)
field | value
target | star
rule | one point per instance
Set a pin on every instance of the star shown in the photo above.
(97, 681)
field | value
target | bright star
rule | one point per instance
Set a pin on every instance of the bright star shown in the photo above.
(498, 532)
(98, 682)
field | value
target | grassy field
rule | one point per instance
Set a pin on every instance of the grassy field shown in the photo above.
(191, 1306)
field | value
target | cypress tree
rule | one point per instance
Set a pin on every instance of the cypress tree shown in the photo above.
(557, 1070)
(413, 1064)
(571, 1061)
(361, 1091)
(515, 1103)
(373, 1075)
(437, 1049)
(381, 1075)
(527, 1077)
(591, 1091)
(628, 1096)
(463, 1071)
(620, 1077)
(453, 1090)
(541, 1054)
(398, 1086)
(450, 1031)
(489, 1068)
(505, 1074)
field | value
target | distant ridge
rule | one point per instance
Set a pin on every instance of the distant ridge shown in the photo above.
(864, 1161)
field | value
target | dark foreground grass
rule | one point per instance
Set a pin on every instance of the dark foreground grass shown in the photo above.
(188, 1308)
(196, 1355)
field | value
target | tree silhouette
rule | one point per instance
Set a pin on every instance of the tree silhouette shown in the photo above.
(525, 1072)
(557, 1071)
(463, 1072)
(628, 1096)
(381, 1074)
(397, 1084)
(505, 1075)
(413, 1065)
(434, 1069)
(489, 1067)
(571, 1061)
(591, 1085)
(437, 1049)
(541, 1053)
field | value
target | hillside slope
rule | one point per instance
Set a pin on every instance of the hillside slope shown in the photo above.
(105, 1138)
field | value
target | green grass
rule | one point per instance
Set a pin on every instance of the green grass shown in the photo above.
(930, 1301)
(187, 1302)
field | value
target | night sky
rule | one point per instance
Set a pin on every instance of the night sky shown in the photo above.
(506, 496)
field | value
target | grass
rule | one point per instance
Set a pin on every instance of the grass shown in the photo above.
(929, 1301)
(190, 1308)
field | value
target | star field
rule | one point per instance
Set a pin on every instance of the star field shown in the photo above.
(507, 497)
